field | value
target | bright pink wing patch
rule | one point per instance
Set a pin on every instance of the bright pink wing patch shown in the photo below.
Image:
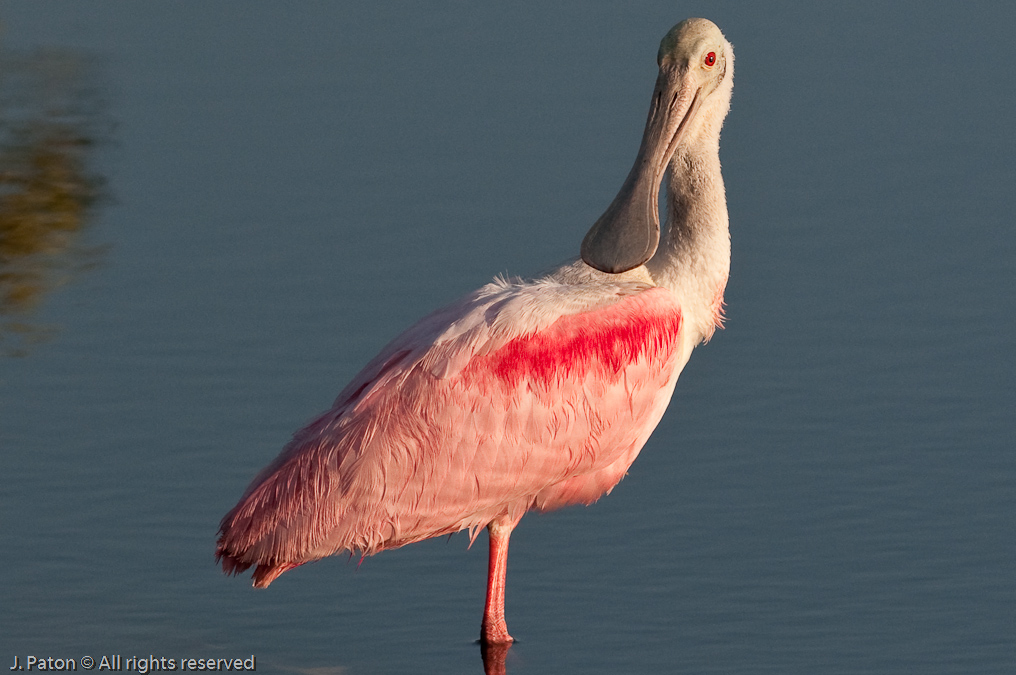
(606, 340)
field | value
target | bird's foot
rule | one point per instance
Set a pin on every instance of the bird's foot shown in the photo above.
(495, 633)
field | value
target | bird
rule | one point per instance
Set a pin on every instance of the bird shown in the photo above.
(526, 394)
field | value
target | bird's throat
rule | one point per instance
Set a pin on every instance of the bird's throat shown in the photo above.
(694, 257)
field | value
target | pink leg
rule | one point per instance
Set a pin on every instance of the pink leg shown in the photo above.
(494, 630)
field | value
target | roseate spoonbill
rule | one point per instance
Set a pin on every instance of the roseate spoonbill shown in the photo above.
(523, 394)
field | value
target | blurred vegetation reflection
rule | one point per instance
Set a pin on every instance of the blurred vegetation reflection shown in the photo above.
(51, 121)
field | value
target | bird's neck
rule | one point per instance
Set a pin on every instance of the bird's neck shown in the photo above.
(694, 259)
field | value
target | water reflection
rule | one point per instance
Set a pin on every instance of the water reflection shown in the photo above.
(50, 122)
(494, 657)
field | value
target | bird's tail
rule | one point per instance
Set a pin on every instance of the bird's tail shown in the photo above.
(265, 572)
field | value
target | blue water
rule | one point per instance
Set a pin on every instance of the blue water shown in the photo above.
(286, 188)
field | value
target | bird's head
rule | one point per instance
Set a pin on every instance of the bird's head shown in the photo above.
(691, 98)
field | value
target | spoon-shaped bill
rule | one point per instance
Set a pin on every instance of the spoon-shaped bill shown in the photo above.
(628, 232)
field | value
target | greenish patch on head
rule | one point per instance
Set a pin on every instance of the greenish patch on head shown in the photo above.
(682, 42)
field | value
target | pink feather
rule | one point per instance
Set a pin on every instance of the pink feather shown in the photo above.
(495, 405)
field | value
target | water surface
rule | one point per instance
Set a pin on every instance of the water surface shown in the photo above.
(282, 191)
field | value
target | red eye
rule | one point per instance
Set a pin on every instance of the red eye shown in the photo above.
(711, 59)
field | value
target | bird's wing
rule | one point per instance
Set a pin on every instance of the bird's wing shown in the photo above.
(520, 395)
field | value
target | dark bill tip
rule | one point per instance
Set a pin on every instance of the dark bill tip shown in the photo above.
(623, 238)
